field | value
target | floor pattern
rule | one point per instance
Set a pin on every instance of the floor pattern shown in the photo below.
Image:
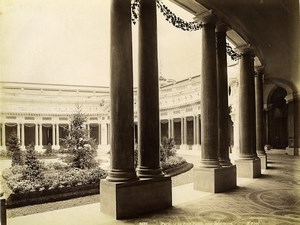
(274, 198)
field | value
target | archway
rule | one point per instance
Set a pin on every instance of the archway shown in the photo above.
(277, 126)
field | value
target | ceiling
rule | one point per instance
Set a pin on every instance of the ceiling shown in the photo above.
(271, 27)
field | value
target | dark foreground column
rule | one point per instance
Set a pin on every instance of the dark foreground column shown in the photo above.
(248, 165)
(148, 93)
(259, 118)
(222, 90)
(122, 194)
(209, 176)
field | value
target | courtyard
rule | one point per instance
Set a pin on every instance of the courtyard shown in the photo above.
(271, 199)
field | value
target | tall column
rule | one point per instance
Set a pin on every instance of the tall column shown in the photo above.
(148, 93)
(3, 135)
(53, 134)
(209, 176)
(199, 129)
(121, 94)
(259, 117)
(41, 135)
(99, 134)
(22, 136)
(116, 190)
(57, 135)
(18, 132)
(248, 165)
(88, 130)
(36, 136)
(195, 130)
(169, 128)
(222, 90)
(208, 95)
(182, 130)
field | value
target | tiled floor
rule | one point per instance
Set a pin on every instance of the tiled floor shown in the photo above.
(274, 198)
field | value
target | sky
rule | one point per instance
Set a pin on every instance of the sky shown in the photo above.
(68, 42)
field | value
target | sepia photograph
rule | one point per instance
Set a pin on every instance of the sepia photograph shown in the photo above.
(149, 112)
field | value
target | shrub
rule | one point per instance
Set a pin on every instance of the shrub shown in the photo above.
(172, 161)
(167, 149)
(33, 167)
(52, 178)
(49, 150)
(81, 148)
(13, 147)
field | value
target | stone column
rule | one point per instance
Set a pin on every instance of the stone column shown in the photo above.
(248, 165)
(53, 135)
(195, 130)
(57, 135)
(89, 130)
(36, 136)
(121, 94)
(41, 135)
(210, 175)
(222, 90)
(22, 136)
(18, 132)
(99, 134)
(169, 128)
(199, 129)
(259, 117)
(148, 93)
(208, 95)
(116, 190)
(182, 133)
(3, 135)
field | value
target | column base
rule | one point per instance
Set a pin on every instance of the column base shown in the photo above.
(196, 147)
(212, 179)
(263, 161)
(248, 168)
(292, 151)
(183, 147)
(130, 199)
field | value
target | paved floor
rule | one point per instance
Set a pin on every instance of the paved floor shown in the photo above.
(273, 198)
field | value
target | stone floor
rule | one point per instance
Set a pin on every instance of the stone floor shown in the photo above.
(274, 198)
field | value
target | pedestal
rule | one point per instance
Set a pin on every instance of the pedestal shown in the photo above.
(248, 168)
(212, 179)
(263, 161)
(130, 199)
(292, 151)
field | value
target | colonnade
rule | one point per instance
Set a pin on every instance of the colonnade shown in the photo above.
(186, 135)
(42, 134)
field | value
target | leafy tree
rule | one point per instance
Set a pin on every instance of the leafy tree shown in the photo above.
(13, 147)
(81, 148)
(33, 167)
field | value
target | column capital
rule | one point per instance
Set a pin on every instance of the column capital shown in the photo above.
(245, 49)
(206, 17)
(222, 27)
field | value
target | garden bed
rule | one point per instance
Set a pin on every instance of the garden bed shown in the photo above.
(182, 168)
(45, 196)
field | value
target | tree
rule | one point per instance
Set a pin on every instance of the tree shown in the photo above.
(81, 148)
(13, 146)
(33, 167)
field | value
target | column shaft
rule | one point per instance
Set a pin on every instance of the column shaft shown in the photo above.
(36, 135)
(57, 135)
(209, 114)
(22, 135)
(195, 130)
(3, 135)
(246, 106)
(259, 113)
(41, 135)
(121, 94)
(222, 90)
(148, 93)
(182, 130)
